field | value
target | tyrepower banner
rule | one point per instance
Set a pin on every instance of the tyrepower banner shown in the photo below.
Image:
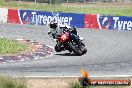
(44, 18)
(90, 21)
(115, 22)
(3, 15)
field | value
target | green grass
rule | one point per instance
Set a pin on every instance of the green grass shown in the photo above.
(8, 82)
(111, 9)
(10, 46)
(75, 84)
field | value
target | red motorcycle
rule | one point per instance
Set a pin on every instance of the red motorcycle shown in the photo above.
(71, 42)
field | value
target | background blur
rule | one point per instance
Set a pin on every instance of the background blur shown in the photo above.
(72, 1)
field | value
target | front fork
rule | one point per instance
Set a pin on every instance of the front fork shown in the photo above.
(63, 46)
(60, 46)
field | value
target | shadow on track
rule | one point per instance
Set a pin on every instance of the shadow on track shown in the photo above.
(66, 54)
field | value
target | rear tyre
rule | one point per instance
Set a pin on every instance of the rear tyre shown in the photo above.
(74, 46)
(84, 51)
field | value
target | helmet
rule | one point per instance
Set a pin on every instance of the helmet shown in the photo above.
(53, 24)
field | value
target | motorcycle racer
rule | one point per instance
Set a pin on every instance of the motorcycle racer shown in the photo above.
(57, 29)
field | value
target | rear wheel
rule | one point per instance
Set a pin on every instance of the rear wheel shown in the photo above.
(75, 47)
(84, 51)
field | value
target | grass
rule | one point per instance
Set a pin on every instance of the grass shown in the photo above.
(10, 46)
(108, 9)
(8, 82)
(75, 84)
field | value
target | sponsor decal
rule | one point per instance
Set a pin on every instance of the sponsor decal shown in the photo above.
(106, 22)
(116, 23)
(86, 81)
(44, 18)
(122, 23)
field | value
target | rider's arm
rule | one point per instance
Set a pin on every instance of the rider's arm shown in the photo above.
(50, 33)
(53, 33)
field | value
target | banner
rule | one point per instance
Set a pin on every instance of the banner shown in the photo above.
(91, 21)
(44, 18)
(3, 15)
(115, 22)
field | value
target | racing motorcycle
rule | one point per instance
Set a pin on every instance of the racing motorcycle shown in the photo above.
(71, 42)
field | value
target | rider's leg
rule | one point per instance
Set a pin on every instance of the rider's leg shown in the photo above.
(75, 32)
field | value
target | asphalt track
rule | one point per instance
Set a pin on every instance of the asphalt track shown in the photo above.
(109, 53)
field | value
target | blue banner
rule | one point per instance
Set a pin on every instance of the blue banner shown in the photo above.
(115, 22)
(44, 18)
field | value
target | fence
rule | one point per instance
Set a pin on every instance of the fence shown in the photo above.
(72, 1)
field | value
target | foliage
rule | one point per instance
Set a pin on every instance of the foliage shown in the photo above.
(10, 46)
(8, 82)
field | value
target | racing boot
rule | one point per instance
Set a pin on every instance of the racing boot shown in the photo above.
(81, 38)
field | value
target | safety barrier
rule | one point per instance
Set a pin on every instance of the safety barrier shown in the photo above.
(3, 15)
(91, 21)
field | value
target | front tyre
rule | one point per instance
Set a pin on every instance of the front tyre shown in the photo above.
(57, 49)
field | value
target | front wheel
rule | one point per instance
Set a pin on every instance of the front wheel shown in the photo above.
(75, 48)
(57, 48)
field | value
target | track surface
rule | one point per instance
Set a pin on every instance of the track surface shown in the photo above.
(109, 53)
